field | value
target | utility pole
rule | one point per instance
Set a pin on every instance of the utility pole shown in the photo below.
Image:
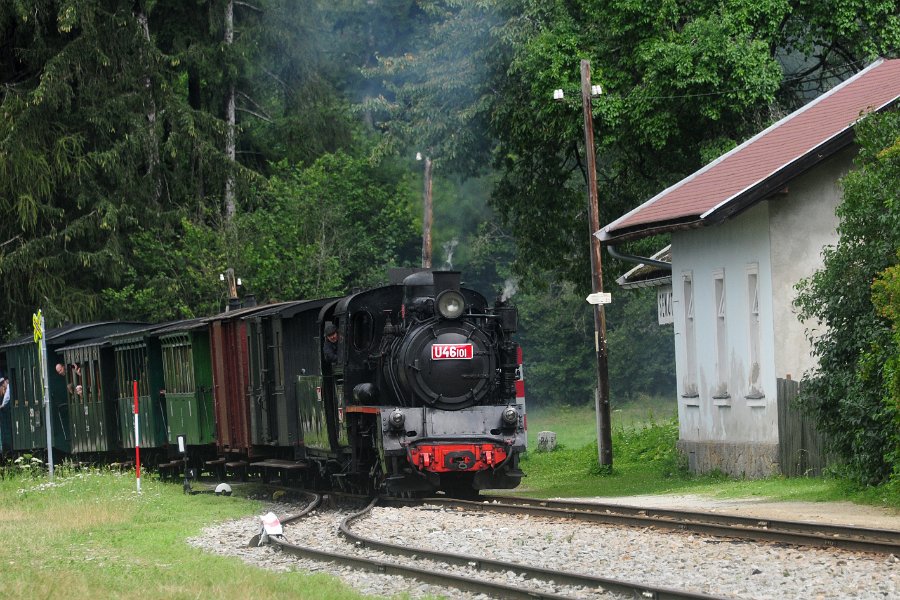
(230, 124)
(604, 429)
(426, 215)
(232, 283)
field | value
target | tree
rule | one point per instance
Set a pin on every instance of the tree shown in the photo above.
(438, 89)
(557, 339)
(293, 67)
(182, 282)
(114, 136)
(849, 391)
(683, 82)
(641, 352)
(323, 229)
(84, 165)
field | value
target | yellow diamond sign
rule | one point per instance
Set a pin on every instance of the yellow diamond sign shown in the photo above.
(38, 330)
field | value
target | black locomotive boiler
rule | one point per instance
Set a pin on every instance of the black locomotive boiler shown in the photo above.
(424, 388)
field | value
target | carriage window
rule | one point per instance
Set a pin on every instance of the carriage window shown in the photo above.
(362, 330)
(87, 383)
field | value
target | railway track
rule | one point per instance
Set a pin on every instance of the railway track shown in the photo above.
(585, 584)
(857, 539)
(475, 573)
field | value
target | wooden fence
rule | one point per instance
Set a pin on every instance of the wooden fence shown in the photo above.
(801, 449)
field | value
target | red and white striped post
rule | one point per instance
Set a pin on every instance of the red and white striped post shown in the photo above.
(137, 439)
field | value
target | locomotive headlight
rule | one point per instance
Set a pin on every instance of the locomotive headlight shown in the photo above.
(510, 415)
(450, 304)
(397, 419)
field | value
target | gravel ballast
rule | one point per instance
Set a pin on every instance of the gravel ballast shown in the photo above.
(684, 561)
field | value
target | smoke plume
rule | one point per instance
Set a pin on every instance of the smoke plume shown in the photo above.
(510, 287)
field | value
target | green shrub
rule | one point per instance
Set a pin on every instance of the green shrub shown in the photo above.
(856, 351)
(652, 444)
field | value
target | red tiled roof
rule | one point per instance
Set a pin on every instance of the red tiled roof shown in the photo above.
(733, 177)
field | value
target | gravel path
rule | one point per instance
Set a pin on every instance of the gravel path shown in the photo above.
(699, 563)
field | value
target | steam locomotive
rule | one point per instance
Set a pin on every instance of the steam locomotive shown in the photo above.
(426, 376)
(422, 390)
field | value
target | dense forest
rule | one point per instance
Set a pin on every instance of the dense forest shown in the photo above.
(148, 145)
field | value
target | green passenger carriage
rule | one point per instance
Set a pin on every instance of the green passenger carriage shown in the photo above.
(138, 357)
(27, 412)
(90, 381)
(188, 390)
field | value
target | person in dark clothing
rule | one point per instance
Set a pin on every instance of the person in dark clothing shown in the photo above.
(329, 347)
(4, 392)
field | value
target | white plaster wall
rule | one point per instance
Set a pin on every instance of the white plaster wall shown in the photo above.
(801, 223)
(728, 247)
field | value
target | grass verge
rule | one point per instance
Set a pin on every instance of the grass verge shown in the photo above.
(645, 462)
(89, 535)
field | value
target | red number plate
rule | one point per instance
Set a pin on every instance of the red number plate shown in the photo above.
(452, 352)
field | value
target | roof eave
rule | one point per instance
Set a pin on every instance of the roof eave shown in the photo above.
(644, 283)
(643, 230)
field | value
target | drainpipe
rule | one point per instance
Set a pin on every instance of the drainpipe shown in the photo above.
(638, 260)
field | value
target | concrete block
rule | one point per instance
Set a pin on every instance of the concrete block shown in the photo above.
(546, 441)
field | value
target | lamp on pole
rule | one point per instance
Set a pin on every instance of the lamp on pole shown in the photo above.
(232, 283)
(598, 298)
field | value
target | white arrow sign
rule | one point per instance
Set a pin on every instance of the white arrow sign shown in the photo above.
(599, 298)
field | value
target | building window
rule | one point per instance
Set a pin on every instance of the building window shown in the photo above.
(664, 309)
(755, 392)
(721, 390)
(689, 385)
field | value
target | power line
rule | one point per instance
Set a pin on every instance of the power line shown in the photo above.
(804, 78)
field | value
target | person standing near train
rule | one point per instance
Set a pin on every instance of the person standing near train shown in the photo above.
(5, 416)
(329, 347)
(4, 392)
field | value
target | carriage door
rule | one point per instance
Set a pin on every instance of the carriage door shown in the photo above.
(277, 406)
(259, 414)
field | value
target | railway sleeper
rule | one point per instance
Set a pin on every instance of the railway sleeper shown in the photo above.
(170, 469)
(283, 469)
(216, 467)
(239, 469)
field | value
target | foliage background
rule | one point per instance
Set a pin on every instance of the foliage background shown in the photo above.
(116, 179)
